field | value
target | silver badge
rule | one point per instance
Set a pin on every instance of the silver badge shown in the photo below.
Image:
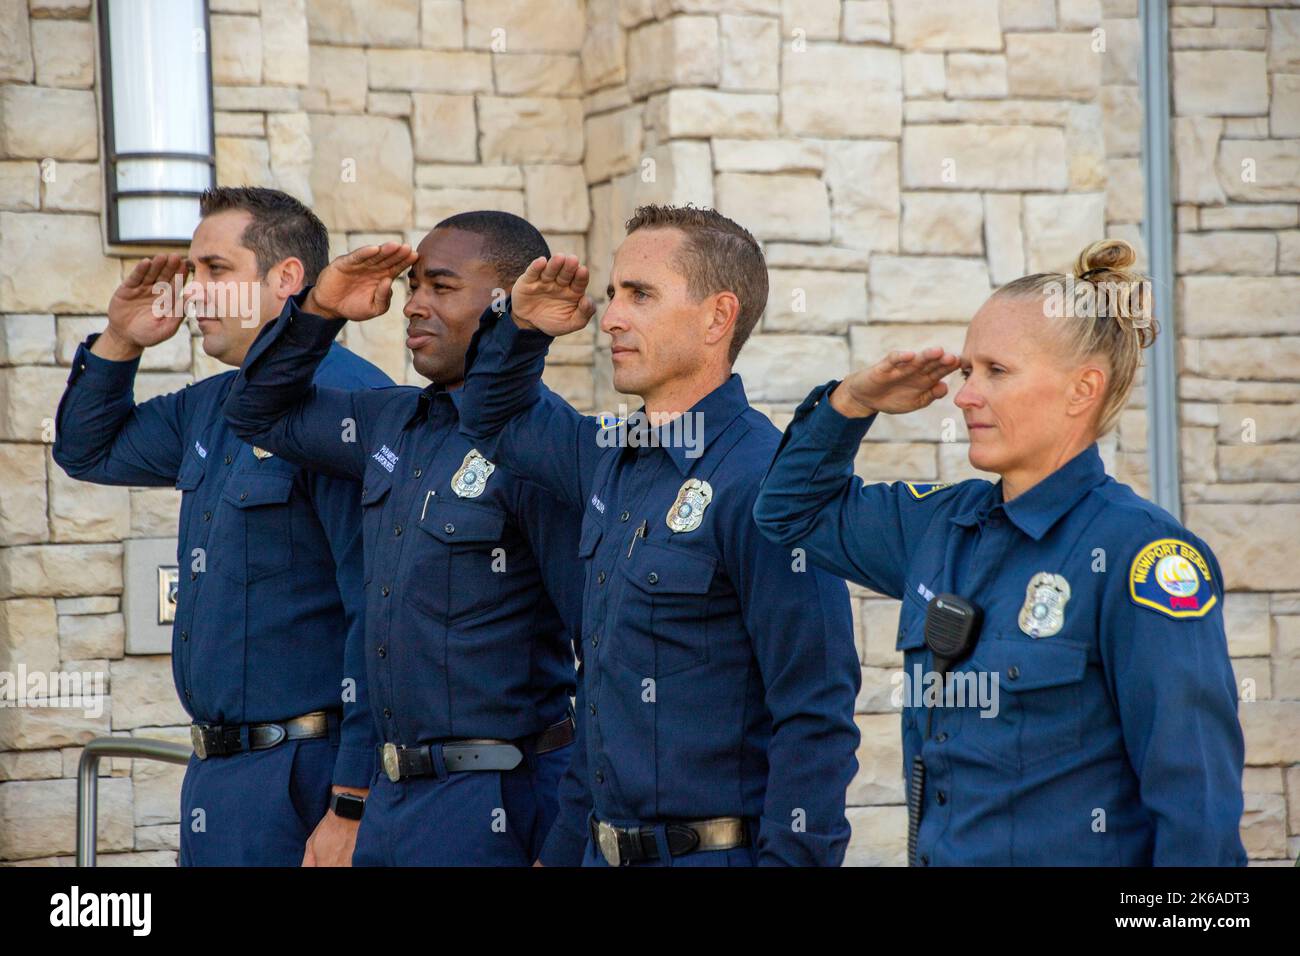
(472, 478)
(688, 510)
(1043, 613)
(261, 454)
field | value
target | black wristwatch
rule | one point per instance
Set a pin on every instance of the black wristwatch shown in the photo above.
(348, 805)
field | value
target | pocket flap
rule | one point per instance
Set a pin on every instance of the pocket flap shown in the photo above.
(592, 532)
(1030, 664)
(252, 490)
(375, 488)
(911, 622)
(452, 522)
(191, 473)
(658, 569)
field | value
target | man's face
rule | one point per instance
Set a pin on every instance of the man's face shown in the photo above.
(230, 298)
(450, 286)
(656, 328)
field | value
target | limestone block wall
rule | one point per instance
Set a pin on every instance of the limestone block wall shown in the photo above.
(1236, 126)
(897, 162)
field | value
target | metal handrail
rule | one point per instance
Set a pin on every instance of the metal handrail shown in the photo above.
(88, 780)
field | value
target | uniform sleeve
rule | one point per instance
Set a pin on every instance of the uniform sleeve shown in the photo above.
(551, 529)
(102, 435)
(811, 499)
(513, 418)
(1167, 663)
(567, 841)
(801, 628)
(274, 405)
(339, 508)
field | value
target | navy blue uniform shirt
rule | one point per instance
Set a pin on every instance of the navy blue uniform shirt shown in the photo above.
(471, 573)
(719, 674)
(270, 607)
(1110, 733)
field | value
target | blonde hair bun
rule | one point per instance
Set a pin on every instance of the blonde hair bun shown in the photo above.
(1111, 255)
(1103, 308)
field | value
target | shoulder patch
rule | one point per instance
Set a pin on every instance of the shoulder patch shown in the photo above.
(1170, 576)
(926, 488)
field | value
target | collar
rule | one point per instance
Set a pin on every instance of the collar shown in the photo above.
(430, 394)
(1035, 511)
(709, 418)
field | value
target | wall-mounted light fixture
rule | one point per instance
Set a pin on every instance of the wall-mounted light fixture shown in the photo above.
(158, 127)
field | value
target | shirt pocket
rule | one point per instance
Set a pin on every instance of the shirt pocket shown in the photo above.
(188, 480)
(663, 622)
(374, 493)
(257, 531)
(1039, 700)
(468, 553)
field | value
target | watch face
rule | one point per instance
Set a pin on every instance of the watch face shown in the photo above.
(348, 806)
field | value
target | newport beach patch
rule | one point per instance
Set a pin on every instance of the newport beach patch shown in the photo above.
(1170, 576)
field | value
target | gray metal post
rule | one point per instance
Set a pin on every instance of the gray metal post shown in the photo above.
(1162, 370)
(88, 780)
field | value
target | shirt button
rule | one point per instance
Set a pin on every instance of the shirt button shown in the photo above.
(943, 735)
(600, 776)
(397, 531)
(227, 459)
(243, 496)
(187, 693)
(417, 473)
(624, 516)
(925, 861)
(595, 640)
(941, 798)
(600, 577)
(185, 635)
(592, 708)
(652, 578)
(384, 590)
(194, 575)
(207, 516)
(388, 713)
(383, 652)
(1013, 672)
(449, 528)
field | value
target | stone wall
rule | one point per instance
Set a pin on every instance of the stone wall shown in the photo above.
(1236, 127)
(897, 163)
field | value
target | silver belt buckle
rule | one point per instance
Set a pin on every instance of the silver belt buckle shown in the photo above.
(392, 766)
(197, 742)
(607, 840)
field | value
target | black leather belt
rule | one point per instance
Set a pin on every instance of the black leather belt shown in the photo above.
(220, 740)
(621, 846)
(473, 754)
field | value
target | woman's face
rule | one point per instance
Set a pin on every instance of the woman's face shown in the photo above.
(1019, 392)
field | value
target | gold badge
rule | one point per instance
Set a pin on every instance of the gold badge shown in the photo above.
(260, 454)
(1043, 613)
(472, 477)
(688, 510)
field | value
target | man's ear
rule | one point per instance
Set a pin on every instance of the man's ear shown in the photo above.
(291, 277)
(1087, 389)
(722, 321)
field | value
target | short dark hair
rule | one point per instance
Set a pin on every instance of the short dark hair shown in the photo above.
(717, 255)
(282, 227)
(510, 242)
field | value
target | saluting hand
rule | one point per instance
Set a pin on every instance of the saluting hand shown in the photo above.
(359, 286)
(900, 382)
(550, 296)
(139, 315)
